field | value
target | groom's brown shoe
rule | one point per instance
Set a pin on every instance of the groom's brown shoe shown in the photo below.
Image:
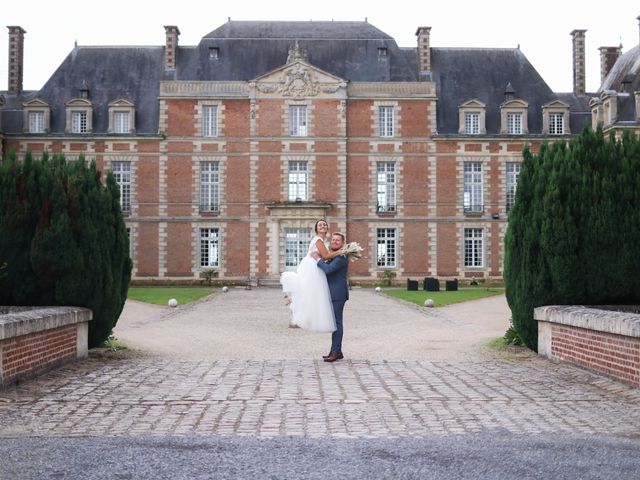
(333, 356)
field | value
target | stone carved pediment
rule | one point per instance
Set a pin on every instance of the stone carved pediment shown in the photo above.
(297, 80)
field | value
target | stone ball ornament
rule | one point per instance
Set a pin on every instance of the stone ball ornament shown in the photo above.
(225, 289)
(428, 303)
(378, 289)
(172, 302)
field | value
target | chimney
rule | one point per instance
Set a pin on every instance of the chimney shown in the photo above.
(16, 58)
(579, 87)
(424, 52)
(171, 48)
(608, 57)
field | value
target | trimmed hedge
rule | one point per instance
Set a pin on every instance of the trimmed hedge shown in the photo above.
(63, 238)
(574, 231)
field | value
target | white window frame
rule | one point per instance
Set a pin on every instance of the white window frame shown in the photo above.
(386, 247)
(122, 174)
(473, 187)
(386, 120)
(514, 123)
(296, 244)
(36, 121)
(121, 121)
(556, 123)
(298, 175)
(298, 121)
(386, 187)
(210, 246)
(210, 120)
(472, 123)
(512, 170)
(473, 253)
(79, 121)
(209, 186)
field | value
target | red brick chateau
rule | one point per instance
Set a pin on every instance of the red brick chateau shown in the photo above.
(227, 152)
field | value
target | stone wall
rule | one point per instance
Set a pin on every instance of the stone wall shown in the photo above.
(33, 339)
(600, 339)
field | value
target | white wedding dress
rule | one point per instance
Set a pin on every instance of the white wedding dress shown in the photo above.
(309, 293)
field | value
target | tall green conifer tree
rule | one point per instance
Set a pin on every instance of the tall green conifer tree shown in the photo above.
(63, 237)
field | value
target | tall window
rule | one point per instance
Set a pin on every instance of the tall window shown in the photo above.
(473, 247)
(122, 174)
(209, 186)
(298, 120)
(513, 171)
(36, 122)
(556, 123)
(386, 247)
(298, 181)
(210, 121)
(385, 121)
(121, 122)
(296, 244)
(386, 173)
(514, 123)
(472, 123)
(473, 187)
(78, 122)
(209, 247)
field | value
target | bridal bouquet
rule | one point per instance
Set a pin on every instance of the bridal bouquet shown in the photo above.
(353, 250)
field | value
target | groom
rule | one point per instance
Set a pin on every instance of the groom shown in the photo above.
(336, 270)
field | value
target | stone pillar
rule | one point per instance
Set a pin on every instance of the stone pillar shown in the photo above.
(16, 59)
(608, 57)
(424, 52)
(171, 46)
(579, 82)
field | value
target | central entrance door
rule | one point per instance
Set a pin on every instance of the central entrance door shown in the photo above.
(296, 244)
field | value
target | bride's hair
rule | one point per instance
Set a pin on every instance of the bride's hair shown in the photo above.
(315, 227)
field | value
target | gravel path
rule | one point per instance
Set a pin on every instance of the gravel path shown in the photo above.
(254, 324)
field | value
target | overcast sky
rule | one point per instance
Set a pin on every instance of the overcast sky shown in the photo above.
(541, 28)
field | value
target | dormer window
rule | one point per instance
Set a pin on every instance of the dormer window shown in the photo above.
(79, 122)
(513, 116)
(471, 117)
(556, 123)
(555, 118)
(121, 117)
(36, 117)
(214, 53)
(79, 116)
(472, 123)
(382, 52)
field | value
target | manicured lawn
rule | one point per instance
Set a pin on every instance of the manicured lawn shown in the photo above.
(161, 295)
(443, 297)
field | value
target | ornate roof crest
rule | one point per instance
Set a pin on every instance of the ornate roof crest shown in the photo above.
(297, 54)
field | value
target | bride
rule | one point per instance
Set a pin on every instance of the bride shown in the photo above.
(307, 287)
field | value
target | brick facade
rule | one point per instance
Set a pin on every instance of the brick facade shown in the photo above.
(342, 141)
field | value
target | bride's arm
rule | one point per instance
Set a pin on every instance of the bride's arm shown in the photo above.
(324, 253)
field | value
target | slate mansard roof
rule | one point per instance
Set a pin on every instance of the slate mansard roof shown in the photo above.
(624, 78)
(463, 74)
(247, 50)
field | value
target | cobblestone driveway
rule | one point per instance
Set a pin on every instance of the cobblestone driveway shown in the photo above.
(133, 396)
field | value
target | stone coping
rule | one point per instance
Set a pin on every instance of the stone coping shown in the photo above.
(18, 321)
(591, 318)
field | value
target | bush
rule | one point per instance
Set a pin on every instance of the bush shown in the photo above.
(63, 237)
(573, 231)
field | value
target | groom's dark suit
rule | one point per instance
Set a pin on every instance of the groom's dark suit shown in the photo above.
(336, 270)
